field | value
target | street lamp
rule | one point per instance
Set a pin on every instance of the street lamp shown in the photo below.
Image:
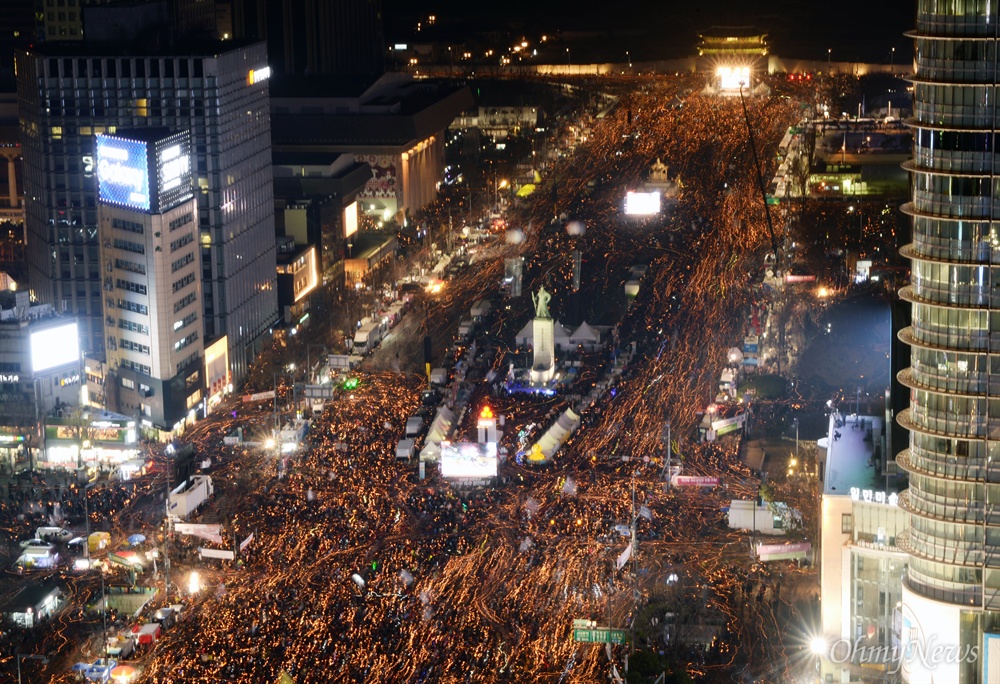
(86, 512)
(829, 53)
(568, 61)
(892, 59)
(27, 656)
(795, 421)
(497, 186)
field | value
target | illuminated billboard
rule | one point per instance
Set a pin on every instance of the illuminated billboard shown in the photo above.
(350, 219)
(468, 460)
(148, 170)
(123, 172)
(642, 203)
(173, 172)
(55, 347)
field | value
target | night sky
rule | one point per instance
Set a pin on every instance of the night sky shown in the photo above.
(859, 30)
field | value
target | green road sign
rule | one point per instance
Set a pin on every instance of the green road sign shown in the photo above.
(599, 636)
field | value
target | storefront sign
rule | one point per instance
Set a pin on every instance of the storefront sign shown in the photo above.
(870, 496)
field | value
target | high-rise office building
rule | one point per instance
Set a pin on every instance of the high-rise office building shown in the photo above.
(69, 93)
(951, 591)
(148, 224)
(316, 37)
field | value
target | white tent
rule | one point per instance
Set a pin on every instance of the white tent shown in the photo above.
(562, 336)
(585, 335)
(558, 433)
(438, 432)
(525, 337)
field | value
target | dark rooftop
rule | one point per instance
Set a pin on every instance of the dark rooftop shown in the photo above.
(152, 48)
(732, 32)
(30, 596)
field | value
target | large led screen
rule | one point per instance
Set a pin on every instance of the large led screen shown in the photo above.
(468, 460)
(54, 347)
(123, 172)
(173, 171)
(642, 203)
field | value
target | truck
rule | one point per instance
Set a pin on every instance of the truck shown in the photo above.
(136, 467)
(465, 329)
(53, 534)
(37, 559)
(189, 495)
(405, 449)
(120, 647)
(480, 309)
(413, 425)
(147, 634)
(367, 338)
(439, 377)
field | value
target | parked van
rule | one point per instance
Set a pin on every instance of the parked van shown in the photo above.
(54, 534)
(414, 425)
(405, 449)
(120, 647)
(164, 617)
(148, 633)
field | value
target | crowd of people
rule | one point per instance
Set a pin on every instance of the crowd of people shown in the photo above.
(359, 570)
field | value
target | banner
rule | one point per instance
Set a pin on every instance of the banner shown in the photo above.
(693, 481)
(212, 533)
(246, 542)
(224, 554)
(260, 396)
(773, 552)
(644, 512)
(624, 556)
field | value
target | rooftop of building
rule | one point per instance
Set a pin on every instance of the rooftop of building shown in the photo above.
(179, 47)
(92, 414)
(30, 597)
(393, 111)
(722, 32)
(850, 454)
(309, 158)
(366, 242)
(152, 134)
(317, 86)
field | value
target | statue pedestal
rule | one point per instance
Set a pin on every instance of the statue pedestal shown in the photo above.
(543, 355)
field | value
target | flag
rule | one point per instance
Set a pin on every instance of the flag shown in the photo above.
(624, 556)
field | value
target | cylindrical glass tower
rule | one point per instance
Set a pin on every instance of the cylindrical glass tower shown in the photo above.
(953, 461)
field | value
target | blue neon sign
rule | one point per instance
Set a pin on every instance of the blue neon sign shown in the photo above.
(123, 172)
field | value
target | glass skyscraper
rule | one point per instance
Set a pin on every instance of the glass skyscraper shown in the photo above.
(69, 93)
(951, 591)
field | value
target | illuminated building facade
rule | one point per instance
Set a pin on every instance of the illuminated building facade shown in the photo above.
(733, 43)
(951, 593)
(861, 565)
(29, 391)
(151, 277)
(298, 276)
(396, 127)
(69, 93)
